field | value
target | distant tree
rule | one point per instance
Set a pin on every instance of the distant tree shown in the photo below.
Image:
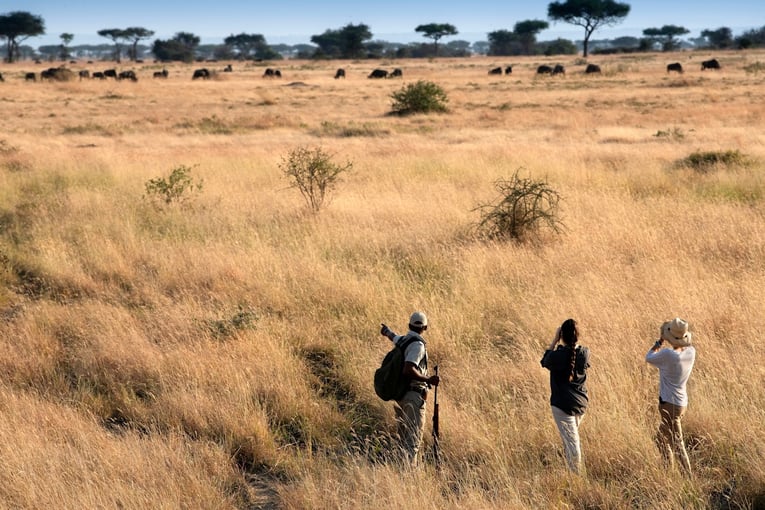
(502, 42)
(66, 38)
(754, 38)
(347, 42)
(626, 42)
(481, 47)
(589, 14)
(458, 48)
(18, 26)
(436, 31)
(180, 48)
(721, 38)
(246, 45)
(527, 33)
(666, 35)
(135, 35)
(558, 47)
(117, 35)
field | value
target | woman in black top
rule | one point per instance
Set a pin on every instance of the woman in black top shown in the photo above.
(568, 364)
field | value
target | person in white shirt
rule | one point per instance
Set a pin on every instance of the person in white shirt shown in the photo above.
(675, 364)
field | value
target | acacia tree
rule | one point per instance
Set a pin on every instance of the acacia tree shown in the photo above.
(348, 42)
(501, 42)
(527, 33)
(180, 47)
(589, 14)
(66, 38)
(116, 35)
(436, 31)
(721, 38)
(134, 35)
(666, 35)
(250, 46)
(18, 26)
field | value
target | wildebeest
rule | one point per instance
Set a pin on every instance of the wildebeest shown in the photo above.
(1, 77)
(710, 64)
(228, 69)
(277, 73)
(110, 73)
(84, 73)
(127, 75)
(544, 69)
(496, 70)
(340, 73)
(675, 66)
(559, 69)
(592, 68)
(378, 73)
(99, 75)
(30, 77)
(396, 73)
(202, 73)
(509, 70)
(160, 74)
(56, 73)
(272, 73)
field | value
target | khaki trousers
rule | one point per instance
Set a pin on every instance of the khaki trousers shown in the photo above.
(670, 437)
(410, 418)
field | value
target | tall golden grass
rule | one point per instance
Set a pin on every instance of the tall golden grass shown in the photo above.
(220, 355)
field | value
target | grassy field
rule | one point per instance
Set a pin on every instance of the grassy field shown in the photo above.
(220, 354)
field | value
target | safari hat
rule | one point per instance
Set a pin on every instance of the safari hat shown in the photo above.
(676, 332)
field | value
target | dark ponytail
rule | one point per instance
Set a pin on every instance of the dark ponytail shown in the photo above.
(570, 336)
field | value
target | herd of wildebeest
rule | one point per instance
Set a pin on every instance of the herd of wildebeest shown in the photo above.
(62, 73)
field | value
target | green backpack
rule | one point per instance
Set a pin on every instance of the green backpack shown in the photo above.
(390, 383)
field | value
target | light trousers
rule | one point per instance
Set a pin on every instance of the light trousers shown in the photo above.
(410, 418)
(568, 426)
(670, 437)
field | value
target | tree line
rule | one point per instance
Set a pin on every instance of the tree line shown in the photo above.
(355, 41)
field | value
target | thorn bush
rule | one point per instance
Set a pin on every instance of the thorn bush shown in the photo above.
(420, 97)
(313, 173)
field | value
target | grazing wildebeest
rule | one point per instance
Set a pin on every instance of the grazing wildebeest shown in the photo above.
(559, 69)
(127, 75)
(544, 69)
(710, 64)
(203, 73)
(269, 73)
(99, 75)
(396, 73)
(592, 68)
(30, 77)
(228, 69)
(84, 73)
(378, 73)
(675, 66)
(56, 73)
(509, 70)
(496, 70)
(277, 73)
(160, 74)
(340, 73)
(1, 77)
(110, 73)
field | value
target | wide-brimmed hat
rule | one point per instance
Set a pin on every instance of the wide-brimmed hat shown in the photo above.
(676, 332)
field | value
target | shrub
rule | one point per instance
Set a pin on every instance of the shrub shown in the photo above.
(705, 161)
(178, 187)
(524, 208)
(420, 97)
(313, 173)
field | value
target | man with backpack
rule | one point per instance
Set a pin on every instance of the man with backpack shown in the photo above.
(410, 400)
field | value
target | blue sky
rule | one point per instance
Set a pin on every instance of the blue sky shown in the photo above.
(294, 21)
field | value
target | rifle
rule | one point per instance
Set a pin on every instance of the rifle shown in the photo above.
(436, 448)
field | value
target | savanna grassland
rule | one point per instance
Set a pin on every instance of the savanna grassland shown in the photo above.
(219, 353)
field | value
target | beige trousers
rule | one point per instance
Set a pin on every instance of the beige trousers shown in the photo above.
(670, 437)
(410, 417)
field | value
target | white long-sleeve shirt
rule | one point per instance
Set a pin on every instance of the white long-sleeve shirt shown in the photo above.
(675, 368)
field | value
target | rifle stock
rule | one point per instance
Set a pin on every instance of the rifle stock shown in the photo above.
(436, 431)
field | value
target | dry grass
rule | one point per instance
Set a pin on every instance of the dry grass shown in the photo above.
(220, 355)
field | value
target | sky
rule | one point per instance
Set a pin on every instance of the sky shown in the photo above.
(295, 21)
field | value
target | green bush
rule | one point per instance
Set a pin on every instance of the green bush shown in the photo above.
(525, 207)
(177, 188)
(705, 161)
(313, 173)
(420, 97)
